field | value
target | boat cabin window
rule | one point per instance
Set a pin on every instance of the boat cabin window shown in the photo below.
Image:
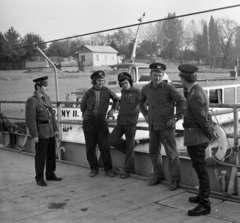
(133, 73)
(238, 94)
(215, 96)
(229, 96)
(144, 74)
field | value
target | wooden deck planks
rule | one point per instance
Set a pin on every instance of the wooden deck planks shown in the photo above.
(79, 198)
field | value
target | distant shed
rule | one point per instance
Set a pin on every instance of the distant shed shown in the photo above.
(96, 57)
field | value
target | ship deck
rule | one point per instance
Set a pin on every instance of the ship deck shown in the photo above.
(79, 198)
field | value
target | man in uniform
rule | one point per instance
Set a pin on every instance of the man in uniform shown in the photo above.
(42, 127)
(160, 98)
(94, 106)
(126, 123)
(198, 131)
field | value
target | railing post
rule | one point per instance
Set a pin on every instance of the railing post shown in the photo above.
(235, 126)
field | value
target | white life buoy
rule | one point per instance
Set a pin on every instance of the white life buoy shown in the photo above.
(221, 143)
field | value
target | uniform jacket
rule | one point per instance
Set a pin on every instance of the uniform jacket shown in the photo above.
(129, 109)
(197, 125)
(38, 110)
(160, 102)
(89, 100)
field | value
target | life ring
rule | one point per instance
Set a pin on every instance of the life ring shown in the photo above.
(222, 144)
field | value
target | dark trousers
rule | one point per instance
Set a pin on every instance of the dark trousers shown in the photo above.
(45, 152)
(197, 155)
(124, 146)
(96, 132)
(167, 138)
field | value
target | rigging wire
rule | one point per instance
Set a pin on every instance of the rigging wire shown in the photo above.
(137, 24)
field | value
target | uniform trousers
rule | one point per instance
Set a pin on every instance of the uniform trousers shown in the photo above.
(197, 155)
(96, 132)
(45, 152)
(124, 146)
(165, 137)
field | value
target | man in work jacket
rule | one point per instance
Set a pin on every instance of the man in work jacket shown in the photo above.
(94, 107)
(42, 127)
(198, 131)
(126, 123)
(160, 98)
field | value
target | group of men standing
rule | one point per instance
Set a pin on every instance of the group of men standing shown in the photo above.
(156, 101)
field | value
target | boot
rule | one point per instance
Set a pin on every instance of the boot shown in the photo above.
(194, 200)
(199, 210)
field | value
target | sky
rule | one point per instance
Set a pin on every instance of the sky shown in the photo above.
(56, 19)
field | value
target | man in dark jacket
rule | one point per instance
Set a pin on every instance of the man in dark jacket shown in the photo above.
(94, 107)
(157, 106)
(42, 127)
(198, 131)
(126, 123)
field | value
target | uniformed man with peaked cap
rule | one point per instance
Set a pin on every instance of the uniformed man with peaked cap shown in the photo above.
(94, 107)
(126, 123)
(42, 127)
(161, 97)
(198, 131)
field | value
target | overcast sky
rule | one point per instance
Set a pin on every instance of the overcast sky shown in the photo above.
(54, 19)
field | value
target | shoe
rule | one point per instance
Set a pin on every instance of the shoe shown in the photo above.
(194, 200)
(200, 210)
(174, 185)
(124, 175)
(55, 178)
(155, 181)
(93, 173)
(109, 173)
(42, 183)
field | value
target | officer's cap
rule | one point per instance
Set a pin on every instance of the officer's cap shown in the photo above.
(97, 74)
(159, 67)
(41, 80)
(124, 75)
(187, 70)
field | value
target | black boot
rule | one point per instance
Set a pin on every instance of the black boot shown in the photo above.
(194, 200)
(200, 210)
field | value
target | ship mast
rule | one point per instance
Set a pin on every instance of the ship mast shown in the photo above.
(133, 55)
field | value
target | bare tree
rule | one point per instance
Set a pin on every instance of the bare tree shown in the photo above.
(227, 30)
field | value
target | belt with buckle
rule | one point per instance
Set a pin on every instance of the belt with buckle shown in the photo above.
(44, 122)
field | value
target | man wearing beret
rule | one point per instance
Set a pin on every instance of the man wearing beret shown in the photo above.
(157, 106)
(42, 127)
(126, 123)
(94, 106)
(198, 131)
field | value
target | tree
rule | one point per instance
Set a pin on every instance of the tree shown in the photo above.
(99, 40)
(58, 49)
(172, 33)
(205, 45)
(76, 44)
(13, 48)
(28, 40)
(227, 30)
(151, 40)
(147, 47)
(123, 40)
(214, 42)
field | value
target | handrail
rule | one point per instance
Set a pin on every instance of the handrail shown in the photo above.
(235, 107)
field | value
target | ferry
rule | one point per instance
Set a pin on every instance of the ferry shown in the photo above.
(224, 98)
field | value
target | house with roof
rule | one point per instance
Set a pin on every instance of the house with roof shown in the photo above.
(96, 57)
